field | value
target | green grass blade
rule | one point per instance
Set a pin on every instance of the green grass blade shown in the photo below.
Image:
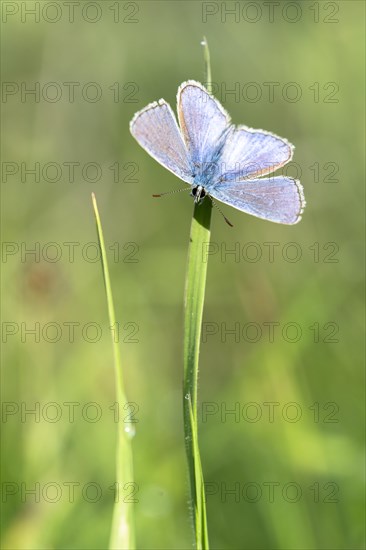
(194, 301)
(122, 534)
(200, 515)
(206, 57)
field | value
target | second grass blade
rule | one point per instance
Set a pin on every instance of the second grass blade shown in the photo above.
(122, 535)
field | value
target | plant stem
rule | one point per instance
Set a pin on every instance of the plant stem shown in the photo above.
(194, 301)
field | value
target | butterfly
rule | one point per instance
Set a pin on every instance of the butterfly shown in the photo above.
(218, 159)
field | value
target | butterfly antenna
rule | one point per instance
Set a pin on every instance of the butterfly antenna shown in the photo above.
(221, 212)
(171, 192)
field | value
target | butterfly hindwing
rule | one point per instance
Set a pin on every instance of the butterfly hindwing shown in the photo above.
(249, 153)
(277, 198)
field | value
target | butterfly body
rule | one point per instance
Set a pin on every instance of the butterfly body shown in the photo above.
(218, 159)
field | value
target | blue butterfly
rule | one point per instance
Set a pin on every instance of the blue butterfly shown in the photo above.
(218, 159)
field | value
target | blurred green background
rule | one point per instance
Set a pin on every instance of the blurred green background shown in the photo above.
(295, 476)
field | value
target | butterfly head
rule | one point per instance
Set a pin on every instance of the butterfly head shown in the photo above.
(199, 193)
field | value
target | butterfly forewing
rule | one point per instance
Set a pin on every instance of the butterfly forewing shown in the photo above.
(156, 130)
(203, 121)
